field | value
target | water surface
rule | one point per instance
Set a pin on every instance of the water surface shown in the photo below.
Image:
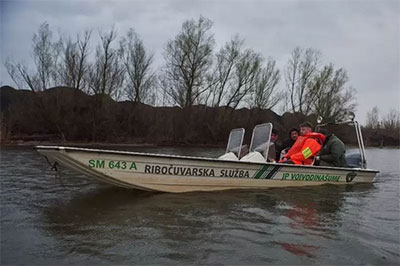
(73, 219)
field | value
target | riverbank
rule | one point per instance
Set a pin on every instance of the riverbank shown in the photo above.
(67, 115)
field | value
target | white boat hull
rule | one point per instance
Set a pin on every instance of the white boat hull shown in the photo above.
(183, 174)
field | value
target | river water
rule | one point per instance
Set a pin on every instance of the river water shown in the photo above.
(77, 220)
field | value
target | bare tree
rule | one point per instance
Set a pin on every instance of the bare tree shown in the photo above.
(137, 61)
(83, 64)
(106, 75)
(328, 95)
(222, 76)
(392, 121)
(373, 118)
(265, 96)
(247, 70)
(299, 71)
(20, 75)
(188, 59)
(67, 68)
(45, 57)
(75, 65)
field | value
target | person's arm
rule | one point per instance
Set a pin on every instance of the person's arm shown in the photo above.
(309, 149)
(336, 150)
(293, 149)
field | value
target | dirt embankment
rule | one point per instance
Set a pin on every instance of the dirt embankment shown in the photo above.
(67, 115)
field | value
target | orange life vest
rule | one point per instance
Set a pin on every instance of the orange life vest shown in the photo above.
(305, 148)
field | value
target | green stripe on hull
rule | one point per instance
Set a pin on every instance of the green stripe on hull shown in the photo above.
(260, 172)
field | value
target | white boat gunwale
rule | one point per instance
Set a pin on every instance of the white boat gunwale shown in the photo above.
(167, 156)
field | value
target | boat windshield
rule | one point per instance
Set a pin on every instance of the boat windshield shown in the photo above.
(261, 138)
(235, 141)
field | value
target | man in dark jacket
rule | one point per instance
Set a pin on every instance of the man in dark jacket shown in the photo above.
(275, 149)
(332, 153)
(294, 133)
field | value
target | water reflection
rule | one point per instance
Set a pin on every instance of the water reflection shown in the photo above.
(313, 212)
(210, 222)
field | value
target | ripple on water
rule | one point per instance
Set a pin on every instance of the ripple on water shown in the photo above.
(81, 221)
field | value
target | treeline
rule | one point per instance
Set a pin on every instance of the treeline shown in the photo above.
(194, 72)
(65, 115)
(385, 130)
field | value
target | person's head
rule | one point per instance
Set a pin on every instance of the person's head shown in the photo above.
(294, 133)
(305, 128)
(324, 132)
(274, 135)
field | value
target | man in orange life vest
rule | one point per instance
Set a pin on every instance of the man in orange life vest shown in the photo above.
(305, 147)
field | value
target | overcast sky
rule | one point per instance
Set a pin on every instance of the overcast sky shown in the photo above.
(363, 37)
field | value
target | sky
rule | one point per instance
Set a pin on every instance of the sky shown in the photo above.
(363, 37)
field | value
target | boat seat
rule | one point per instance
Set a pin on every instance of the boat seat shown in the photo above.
(230, 156)
(254, 157)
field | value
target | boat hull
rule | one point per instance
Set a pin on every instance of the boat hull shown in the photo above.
(183, 174)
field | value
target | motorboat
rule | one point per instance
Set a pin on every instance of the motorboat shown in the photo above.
(173, 173)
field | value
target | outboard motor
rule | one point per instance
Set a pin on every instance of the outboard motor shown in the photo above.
(353, 160)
